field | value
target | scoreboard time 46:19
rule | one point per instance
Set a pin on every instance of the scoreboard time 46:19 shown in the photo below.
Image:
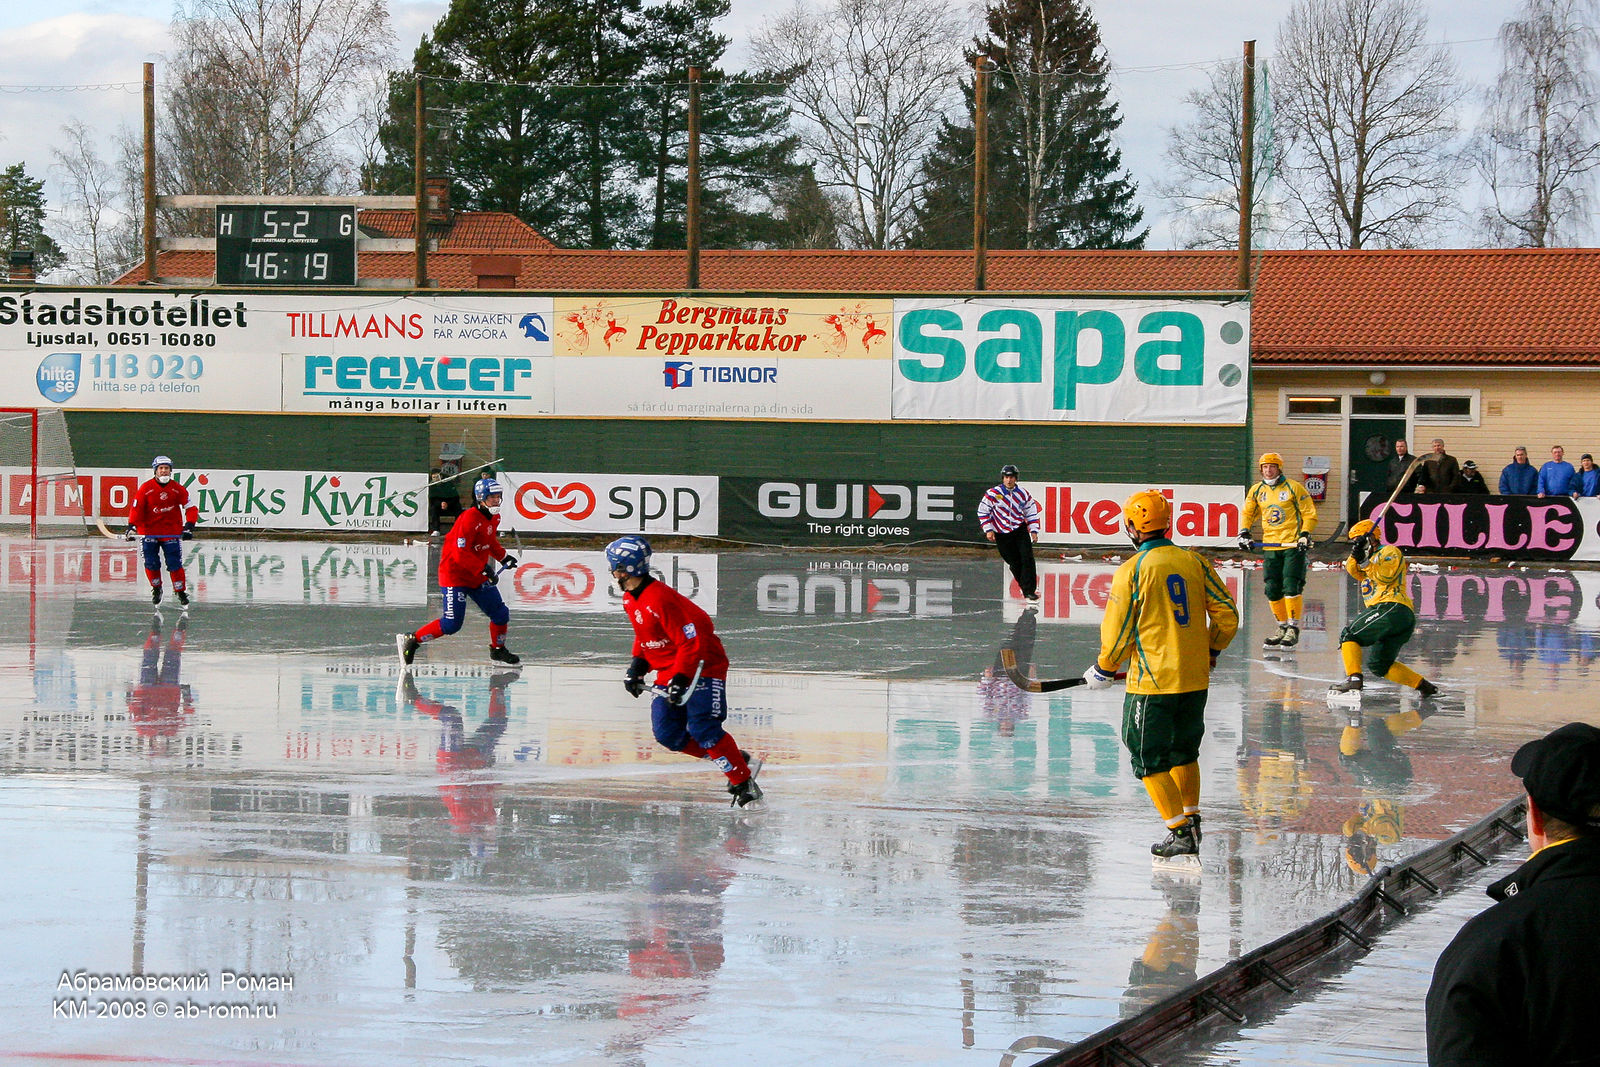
(261, 244)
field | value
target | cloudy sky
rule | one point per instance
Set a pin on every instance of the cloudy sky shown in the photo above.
(1158, 47)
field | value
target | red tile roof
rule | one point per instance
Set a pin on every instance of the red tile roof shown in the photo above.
(1463, 307)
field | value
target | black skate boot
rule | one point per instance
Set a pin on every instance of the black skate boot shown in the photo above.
(1289, 636)
(755, 763)
(408, 645)
(1276, 640)
(1426, 689)
(1194, 827)
(1352, 684)
(155, 594)
(1180, 841)
(183, 597)
(502, 654)
(746, 795)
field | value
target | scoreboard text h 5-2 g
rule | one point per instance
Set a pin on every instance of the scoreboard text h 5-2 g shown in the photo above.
(261, 244)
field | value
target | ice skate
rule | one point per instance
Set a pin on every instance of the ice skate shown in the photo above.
(502, 654)
(1276, 640)
(1347, 692)
(408, 645)
(183, 598)
(747, 795)
(155, 594)
(1288, 637)
(1179, 852)
(1427, 690)
(755, 763)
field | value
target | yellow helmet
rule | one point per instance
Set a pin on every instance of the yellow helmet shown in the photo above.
(1362, 529)
(1147, 511)
(1270, 457)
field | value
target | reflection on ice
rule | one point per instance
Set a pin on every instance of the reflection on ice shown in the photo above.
(508, 864)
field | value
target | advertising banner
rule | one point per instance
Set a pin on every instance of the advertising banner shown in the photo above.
(763, 357)
(1513, 527)
(266, 500)
(1180, 361)
(544, 502)
(1090, 513)
(1076, 593)
(138, 350)
(580, 582)
(770, 511)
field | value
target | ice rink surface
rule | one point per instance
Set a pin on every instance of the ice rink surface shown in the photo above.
(243, 806)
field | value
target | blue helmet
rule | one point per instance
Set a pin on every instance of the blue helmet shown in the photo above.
(484, 488)
(159, 460)
(630, 555)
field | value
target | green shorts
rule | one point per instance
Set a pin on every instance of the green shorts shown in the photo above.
(1284, 572)
(1384, 628)
(1163, 730)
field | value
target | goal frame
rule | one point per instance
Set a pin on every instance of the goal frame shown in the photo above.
(39, 482)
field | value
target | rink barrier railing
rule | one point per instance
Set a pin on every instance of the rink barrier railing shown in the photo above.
(1250, 989)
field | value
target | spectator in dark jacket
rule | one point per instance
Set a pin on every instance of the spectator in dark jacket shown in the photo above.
(1471, 481)
(1516, 985)
(1439, 470)
(1558, 477)
(1399, 464)
(1519, 477)
(1588, 483)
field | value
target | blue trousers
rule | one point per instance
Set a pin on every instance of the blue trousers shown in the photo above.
(157, 547)
(701, 718)
(486, 596)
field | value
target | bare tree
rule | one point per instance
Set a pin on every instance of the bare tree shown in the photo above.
(870, 81)
(1537, 144)
(1366, 118)
(1203, 168)
(95, 220)
(257, 89)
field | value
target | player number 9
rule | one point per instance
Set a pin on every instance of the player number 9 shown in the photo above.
(1178, 593)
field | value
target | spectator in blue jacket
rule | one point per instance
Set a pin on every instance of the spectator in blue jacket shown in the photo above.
(1558, 477)
(1588, 483)
(1519, 478)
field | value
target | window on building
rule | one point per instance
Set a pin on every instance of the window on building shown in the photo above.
(1377, 405)
(1437, 408)
(1313, 408)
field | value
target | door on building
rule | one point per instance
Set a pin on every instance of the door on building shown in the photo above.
(1371, 447)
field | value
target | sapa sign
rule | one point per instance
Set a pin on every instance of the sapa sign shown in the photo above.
(1071, 361)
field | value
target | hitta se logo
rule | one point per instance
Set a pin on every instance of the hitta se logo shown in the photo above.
(679, 373)
(58, 376)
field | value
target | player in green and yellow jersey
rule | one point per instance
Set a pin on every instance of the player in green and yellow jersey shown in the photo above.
(1388, 619)
(1288, 515)
(1168, 617)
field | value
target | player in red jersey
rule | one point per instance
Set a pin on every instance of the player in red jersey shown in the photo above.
(162, 515)
(469, 565)
(674, 637)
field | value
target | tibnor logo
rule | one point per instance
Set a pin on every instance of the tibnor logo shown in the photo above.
(58, 376)
(679, 373)
(839, 500)
(418, 375)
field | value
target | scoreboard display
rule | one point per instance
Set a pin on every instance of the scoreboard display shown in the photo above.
(260, 244)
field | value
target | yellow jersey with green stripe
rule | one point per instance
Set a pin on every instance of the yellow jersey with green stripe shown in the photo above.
(1167, 613)
(1382, 577)
(1286, 511)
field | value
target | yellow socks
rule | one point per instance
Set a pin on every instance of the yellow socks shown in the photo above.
(1292, 607)
(1280, 610)
(1400, 674)
(1165, 795)
(1188, 779)
(1350, 652)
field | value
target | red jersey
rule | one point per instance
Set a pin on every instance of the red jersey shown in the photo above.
(472, 542)
(161, 510)
(672, 633)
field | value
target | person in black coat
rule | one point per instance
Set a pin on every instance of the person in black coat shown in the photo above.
(1471, 480)
(1515, 986)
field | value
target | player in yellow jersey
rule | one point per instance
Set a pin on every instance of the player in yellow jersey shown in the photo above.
(1288, 515)
(1386, 623)
(1168, 617)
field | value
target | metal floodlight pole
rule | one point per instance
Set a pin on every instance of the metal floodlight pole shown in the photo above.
(980, 174)
(1247, 193)
(150, 173)
(420, 187)
(692, 222)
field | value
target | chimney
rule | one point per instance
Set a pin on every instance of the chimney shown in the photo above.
(437, 193)
(496, 272)
(21, 265)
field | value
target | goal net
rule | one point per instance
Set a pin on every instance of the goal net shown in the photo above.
(41, 495)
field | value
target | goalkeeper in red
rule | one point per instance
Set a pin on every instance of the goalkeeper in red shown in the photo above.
(469, 565)
(162, 517)
(674, 637)
(1168, 617)
(1387, 621)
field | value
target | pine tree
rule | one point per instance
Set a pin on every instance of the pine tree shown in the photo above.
(1056, 178)
(22, 211)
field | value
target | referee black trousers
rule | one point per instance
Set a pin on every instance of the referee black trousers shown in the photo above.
(1016, 548)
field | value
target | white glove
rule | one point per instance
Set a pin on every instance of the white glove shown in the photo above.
(1245, 542)
(1095, 678)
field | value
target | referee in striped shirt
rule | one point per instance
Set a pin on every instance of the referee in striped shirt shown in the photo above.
(1010, 518)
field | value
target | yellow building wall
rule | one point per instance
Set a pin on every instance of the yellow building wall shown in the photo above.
(1536, 408)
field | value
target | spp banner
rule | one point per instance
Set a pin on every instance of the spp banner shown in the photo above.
(255, 499)
(1071, 361)
(825, 512)
(544, 502)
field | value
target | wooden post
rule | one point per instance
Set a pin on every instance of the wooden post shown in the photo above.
(420, 188)
(980, 174)
(692, 222)
(150, 173)
(1247, 193)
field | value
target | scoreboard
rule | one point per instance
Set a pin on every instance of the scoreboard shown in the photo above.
(261, 244)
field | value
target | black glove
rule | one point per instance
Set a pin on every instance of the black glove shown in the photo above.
(678, 689)
(1303, 542)
(1214, 655)
(634, 681)
(188, 531)
(508, 561)
(491, 574)
(1245, 543)
(130, 534)
(1359, 550)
